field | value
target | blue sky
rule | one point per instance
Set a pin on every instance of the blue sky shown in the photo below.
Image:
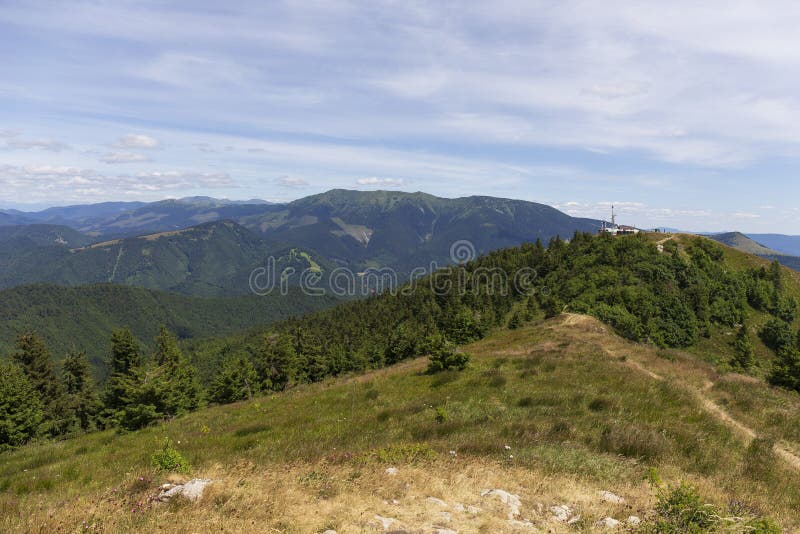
(683, 114)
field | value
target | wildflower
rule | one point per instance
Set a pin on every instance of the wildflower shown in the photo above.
(507, 447)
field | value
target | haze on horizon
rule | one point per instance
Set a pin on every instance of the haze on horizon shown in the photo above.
(684, 115)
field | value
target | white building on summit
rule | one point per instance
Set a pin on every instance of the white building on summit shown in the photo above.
(617, 229)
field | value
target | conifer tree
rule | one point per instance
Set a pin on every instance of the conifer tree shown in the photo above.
(126, 376)
(80, 390)
(276, 362)
(238, 380)
(21, 407)
(175, 384)
(744, 353)
(33, 357)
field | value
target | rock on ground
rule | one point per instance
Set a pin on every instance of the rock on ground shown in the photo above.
(608, 522)
(192, 490)
(512, 501)
(607, 496)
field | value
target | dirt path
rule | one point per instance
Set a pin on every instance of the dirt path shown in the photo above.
(746, 433)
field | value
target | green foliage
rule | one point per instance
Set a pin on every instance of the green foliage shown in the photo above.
(680, 510)
(441, 415)
(276, 362)
(167, 458)
(443, 356)
(743, 350)
(33, 356)
(83, 318)
(238, 380)
(81, 392)
(21, 407)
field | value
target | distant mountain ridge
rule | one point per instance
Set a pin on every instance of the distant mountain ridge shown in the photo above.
(201, 246)
(745, 243)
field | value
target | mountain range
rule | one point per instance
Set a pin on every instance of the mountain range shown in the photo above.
(203, 246)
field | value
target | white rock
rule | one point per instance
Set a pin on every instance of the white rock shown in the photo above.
(512, 501)
(392, 471)
(192, 490)
(445, 531)
(468, 509)
(607, 496)
(574, 520)
(633, 520)
(444, 517)
(329, 532)
(608, 522)
(386, 522)
(437, 502)
(562, 513)
(516, 523)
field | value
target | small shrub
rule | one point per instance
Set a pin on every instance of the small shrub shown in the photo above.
(444, 357)
(600, 404)
(167, 458)
(680, 509)
(526, 402)
(441, 415)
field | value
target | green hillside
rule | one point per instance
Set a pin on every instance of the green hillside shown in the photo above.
(555, 413)
(213, 259)
(679, 376)
(82, 318)
(744, 243)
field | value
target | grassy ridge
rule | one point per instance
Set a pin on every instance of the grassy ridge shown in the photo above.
(580, 409)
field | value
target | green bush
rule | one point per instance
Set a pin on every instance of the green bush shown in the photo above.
(167, 458)
(444, 357)
(680, 510)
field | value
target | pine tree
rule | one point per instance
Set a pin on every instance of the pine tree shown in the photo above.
(238, 380)
(744, 353)
(21, 407)
(125, 379)
(80, 390)
(33, 356)
(175, 384)
(276, 362)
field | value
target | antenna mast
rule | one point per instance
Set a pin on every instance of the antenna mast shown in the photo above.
(613, 217)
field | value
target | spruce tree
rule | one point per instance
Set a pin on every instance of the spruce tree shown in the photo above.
(125, 379)
(21, 407)
(33, 357)
(80, 390)
(177, 391)
(276, 362)
(238, 380)
(744, 353)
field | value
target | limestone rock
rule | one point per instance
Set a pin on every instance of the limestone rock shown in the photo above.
(192, 490)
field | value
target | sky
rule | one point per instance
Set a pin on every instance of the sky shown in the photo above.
(683, 114)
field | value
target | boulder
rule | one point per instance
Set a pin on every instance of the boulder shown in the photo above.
(192, 490)
(607, 496)
(608, 522)
(512, 501)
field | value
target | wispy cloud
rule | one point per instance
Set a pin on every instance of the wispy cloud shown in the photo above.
(123, 157)
(137, 141)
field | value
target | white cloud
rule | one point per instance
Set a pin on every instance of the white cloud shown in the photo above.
(123, 157)
(46, 182)
(387, 182)
(292, 181)
(137, 141)
(35, 144)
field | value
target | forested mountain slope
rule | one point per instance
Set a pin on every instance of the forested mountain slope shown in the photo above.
(83, 318)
